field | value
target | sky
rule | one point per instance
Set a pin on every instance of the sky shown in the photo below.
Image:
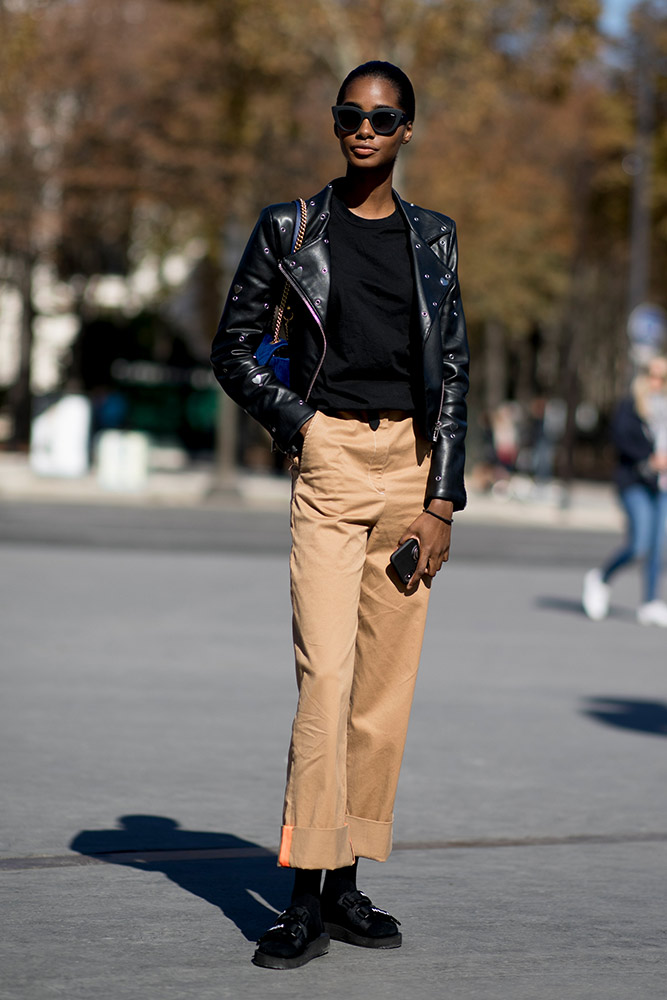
(614, 15)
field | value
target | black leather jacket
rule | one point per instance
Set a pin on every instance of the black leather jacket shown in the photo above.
(248, 315)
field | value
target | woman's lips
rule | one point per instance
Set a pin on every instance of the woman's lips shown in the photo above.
(363, 150)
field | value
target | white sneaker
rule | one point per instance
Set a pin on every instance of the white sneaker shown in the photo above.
(595, 598)
(653, 613)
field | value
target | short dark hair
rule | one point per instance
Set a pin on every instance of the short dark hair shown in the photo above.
(384, 71)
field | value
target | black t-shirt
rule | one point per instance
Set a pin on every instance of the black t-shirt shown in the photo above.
(369, 357)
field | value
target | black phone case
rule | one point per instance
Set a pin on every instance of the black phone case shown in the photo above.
(405, 559)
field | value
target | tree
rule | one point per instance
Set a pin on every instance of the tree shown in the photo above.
(132, 128)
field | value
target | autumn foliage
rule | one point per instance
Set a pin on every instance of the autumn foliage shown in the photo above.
(129, 126)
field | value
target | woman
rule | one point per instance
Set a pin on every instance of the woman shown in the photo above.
(375, 419)
(639, 432)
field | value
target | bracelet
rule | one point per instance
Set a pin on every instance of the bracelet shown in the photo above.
(445, 520)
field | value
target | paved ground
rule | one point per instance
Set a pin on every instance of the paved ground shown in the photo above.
(250, 531)
(582, 505)
(143, 731)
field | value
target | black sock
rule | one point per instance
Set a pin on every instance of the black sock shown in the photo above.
(340, 880)
(306, 891)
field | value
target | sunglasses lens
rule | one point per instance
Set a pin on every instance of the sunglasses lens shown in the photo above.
(349, 119)
(385, 121)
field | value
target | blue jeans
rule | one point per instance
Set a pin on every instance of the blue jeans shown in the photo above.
(646, 512)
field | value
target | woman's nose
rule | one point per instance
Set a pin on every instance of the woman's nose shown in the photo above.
(365, 129)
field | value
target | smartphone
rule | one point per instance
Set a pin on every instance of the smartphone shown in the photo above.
(405, 559)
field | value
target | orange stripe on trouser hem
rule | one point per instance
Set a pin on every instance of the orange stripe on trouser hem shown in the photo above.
(285, 847)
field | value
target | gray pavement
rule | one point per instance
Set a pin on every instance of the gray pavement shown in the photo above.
(251, 531)
(582, 505)
(143, 732)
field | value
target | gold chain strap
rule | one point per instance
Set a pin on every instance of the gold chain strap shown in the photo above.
(282, 318)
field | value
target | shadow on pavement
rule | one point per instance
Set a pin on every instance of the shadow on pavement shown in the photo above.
(628, 713)
(567, 604)
(231, 880)
(573, 606)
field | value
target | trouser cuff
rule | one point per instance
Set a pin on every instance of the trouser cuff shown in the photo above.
(304, 847)
(370, 838)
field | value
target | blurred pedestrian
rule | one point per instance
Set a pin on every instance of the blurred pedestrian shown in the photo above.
(375, 419)
(505, 423)
(639, 433)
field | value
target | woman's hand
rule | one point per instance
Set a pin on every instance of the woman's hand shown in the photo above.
(658, 461)
(434, 538)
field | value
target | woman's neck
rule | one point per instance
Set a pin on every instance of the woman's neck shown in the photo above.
(368, 193)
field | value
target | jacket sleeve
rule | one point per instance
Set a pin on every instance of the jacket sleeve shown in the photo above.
(628, 436)
(445, 481)
(246, 318)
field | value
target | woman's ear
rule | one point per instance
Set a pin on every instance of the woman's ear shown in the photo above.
(407, 135)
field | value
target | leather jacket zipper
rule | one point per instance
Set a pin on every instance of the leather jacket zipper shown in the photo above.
(438, 423)
(317, 319)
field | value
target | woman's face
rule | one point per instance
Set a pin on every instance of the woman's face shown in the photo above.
(657, 374)
(363, 148)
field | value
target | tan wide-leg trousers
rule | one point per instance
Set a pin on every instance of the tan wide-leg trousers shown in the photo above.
(357, 636)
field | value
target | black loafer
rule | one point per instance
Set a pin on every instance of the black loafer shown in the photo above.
(294, 939)
(354, 919)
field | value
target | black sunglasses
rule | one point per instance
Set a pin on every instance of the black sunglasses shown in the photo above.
(384, 121)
